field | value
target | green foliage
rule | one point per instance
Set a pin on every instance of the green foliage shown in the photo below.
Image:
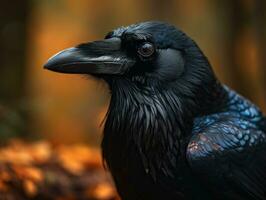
(12, 122)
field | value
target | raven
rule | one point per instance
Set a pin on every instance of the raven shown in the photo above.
(172, 131)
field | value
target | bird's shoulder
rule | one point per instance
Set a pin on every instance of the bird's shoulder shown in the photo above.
(229, 149)
(236, 103)
(224, 132)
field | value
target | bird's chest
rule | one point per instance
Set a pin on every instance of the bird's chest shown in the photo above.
(142, 148)
(134, 182)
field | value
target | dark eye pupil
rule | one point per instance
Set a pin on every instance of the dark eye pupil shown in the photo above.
(146, 50)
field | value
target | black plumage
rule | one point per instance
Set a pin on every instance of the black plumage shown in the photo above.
(172, 131)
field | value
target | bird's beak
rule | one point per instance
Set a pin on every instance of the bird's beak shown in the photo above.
(100, 57)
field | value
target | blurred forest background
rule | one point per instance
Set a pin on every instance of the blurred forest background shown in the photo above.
(36, 103)
(67, 110)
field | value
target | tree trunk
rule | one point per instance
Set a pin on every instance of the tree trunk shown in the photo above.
(13, 20)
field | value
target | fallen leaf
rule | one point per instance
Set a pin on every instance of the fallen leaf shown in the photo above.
(30, 188)
(102, 191)
(26, 172)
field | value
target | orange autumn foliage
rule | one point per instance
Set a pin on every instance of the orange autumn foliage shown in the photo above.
(46, 171)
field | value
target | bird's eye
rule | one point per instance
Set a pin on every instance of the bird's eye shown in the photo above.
(146, 50)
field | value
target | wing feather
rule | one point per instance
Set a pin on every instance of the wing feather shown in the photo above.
(231, 153)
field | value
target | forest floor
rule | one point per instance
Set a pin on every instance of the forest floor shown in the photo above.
(40, 170)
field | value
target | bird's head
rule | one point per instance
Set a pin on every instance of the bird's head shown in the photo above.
(147, 54)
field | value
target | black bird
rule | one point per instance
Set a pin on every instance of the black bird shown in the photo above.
(172, 131)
